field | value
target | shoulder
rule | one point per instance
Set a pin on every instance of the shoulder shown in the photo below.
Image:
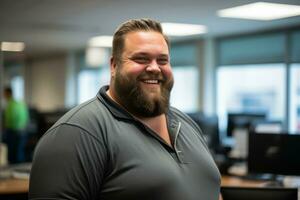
(87, 110)
(77, 133)
(64, 157)
(90, 118)
(82, 126)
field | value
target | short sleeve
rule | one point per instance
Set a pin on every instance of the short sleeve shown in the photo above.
(69, 163)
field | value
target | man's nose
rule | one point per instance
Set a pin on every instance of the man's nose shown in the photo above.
(153, 67)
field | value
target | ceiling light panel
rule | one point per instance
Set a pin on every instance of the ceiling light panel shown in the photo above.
(261, 11)
(12, 46)
(176, 29)
(101, 41)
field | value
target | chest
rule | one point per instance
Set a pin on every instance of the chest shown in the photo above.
(142, 165)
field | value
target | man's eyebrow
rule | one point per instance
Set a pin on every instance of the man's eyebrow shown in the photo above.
(140, 54)
(164, 55)
(147, 54)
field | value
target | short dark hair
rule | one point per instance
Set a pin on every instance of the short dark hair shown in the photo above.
(132, 26)
(8, 90)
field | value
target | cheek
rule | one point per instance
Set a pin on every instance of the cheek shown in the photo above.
(133, 69)
(167, 71)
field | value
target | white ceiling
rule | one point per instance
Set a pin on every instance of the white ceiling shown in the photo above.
(48, 26)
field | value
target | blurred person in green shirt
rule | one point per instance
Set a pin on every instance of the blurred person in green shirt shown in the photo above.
(15, 122)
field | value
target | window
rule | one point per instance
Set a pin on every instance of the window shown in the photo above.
(184, 95)
(90, 81)
(294, 105)
(17, 84)
(250, 88)
(184, 62)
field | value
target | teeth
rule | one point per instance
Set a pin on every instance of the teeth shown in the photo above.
(151, 81)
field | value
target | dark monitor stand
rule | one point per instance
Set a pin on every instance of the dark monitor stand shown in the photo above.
(275, 154)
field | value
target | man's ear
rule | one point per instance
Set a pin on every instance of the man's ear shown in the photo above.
(113, 66)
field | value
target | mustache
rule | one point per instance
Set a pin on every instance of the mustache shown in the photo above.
(147, 75)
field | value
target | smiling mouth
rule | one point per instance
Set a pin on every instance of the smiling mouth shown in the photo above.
(151, 81)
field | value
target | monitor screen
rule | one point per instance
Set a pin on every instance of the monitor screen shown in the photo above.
(242, 120)
(251, 193)
(274, 153)
(267, 126)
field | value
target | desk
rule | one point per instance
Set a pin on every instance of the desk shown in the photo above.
(235, 181)
(13, 186)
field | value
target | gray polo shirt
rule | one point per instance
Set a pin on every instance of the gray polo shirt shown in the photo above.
(99, 151)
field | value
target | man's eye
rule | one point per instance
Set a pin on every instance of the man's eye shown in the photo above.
(163, 61)
(141, 60)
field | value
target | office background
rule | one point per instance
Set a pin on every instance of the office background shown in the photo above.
(238, 65)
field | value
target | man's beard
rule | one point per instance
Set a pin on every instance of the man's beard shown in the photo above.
(136, 100)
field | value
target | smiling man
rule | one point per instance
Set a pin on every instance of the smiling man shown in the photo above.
(144, 80)
(127, 142)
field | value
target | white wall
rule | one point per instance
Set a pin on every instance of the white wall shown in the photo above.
(45, 81)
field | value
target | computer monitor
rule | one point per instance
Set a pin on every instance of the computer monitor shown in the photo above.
(238, 128)
(242, 120)
(273, 153)
(263, 193)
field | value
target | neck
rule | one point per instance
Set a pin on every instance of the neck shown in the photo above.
(157, 123)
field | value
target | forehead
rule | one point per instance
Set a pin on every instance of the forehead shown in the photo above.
(146, 42)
